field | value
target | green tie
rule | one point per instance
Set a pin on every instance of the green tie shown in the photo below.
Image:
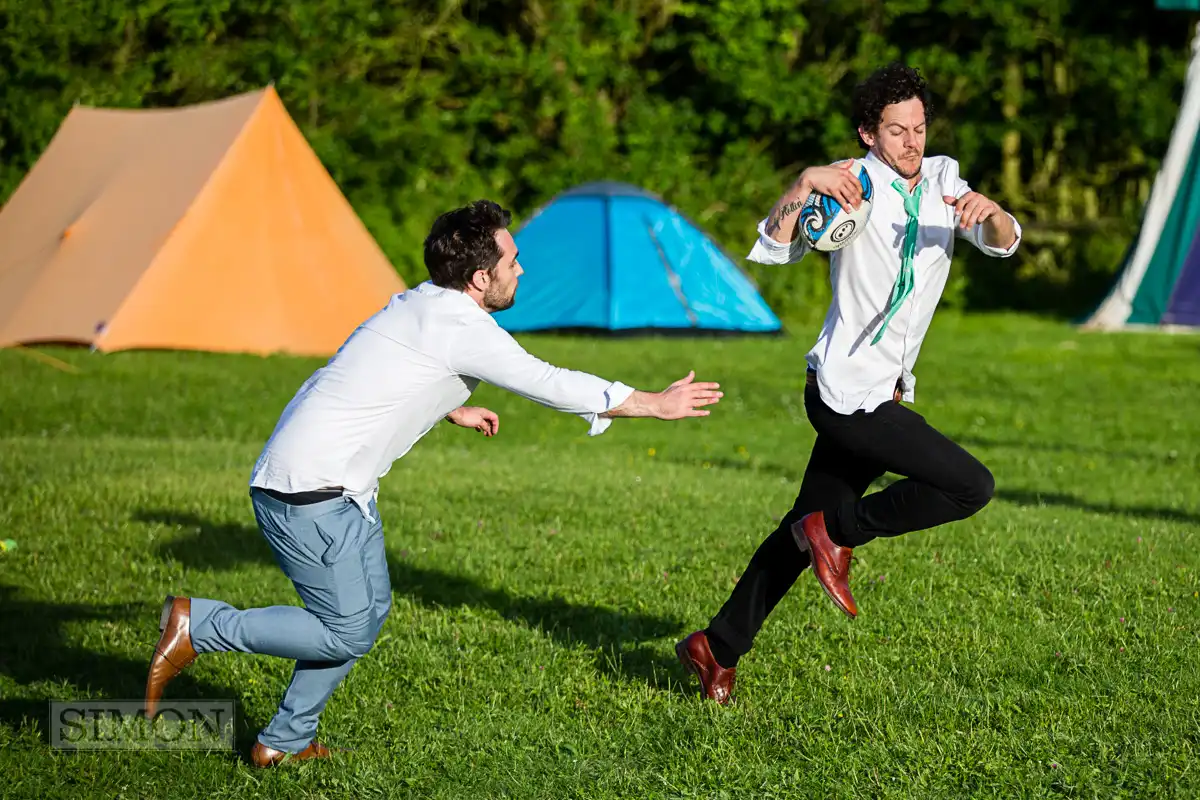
(904, 281)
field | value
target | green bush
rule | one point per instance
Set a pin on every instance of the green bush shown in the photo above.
(1060, 111)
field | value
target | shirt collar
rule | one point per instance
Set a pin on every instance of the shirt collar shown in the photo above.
(460, 298)
(892, 175)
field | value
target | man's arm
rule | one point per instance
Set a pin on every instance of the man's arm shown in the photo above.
(489, 353)
(982, 222)
(834, 180)
(778, 235)
(683, 398)
(780, 224)
(1000, 230)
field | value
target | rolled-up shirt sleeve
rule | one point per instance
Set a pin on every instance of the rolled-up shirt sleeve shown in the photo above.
(768, 251)
(975, 234)
(489, 353)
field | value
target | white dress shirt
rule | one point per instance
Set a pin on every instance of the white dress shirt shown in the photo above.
(398, 375)
(853, 374)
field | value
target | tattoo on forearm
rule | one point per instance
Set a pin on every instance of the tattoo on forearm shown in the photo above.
(776, 218)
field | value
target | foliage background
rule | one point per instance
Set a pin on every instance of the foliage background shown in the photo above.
(1059, 109)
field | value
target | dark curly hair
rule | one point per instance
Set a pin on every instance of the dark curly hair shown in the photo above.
(464, 240)
(890, 84)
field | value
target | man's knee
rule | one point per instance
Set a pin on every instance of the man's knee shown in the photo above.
(976, 489)
(354, 633)
(349, 647)
(355, 636)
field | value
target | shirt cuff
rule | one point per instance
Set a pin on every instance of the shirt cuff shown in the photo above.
(1000, 252)
(768, 251)
(614, 395)
(908, 383)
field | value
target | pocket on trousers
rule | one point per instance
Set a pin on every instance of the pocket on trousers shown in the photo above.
(342, 534)
(337, 590)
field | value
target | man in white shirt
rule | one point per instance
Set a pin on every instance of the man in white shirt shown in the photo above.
(886, 285)
(314, 487)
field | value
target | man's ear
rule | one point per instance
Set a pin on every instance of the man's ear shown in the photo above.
(866, 136)
(479, 279)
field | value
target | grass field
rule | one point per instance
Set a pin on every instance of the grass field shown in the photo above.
(1046, 647)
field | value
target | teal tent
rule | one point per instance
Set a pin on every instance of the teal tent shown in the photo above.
(1159, 283)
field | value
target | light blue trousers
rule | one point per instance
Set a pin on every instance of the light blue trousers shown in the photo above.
(335, 558)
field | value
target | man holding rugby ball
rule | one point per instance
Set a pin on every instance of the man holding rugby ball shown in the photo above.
(886, 285)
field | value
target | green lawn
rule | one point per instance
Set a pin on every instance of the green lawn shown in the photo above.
(1046, 647)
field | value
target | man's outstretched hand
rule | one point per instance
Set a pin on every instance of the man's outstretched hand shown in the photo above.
(482, 420)
(683, 398)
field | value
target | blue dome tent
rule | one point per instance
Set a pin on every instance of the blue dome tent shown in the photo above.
(614, 257)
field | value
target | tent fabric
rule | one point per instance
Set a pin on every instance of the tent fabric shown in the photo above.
(1185, 301)
(612, 256)
(208, 227)
(1159, 283)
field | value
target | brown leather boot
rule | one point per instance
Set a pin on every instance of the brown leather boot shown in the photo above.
(263, 756)
(716, 682)
(173, 652)
(830, 562)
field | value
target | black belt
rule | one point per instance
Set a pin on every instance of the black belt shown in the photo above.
(303, 498)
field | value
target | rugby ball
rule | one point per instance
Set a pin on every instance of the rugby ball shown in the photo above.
(826, 226)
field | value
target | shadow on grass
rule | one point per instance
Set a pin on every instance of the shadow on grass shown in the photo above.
(793, 475)
(209, 545)
(619, 636)
(969, 441)
(1021, 497)
(41, 647)
(1030, 498)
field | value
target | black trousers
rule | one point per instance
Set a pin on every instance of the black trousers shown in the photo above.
(941, 483)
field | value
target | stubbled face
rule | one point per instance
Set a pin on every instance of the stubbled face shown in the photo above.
(501, 290)
(900, 140)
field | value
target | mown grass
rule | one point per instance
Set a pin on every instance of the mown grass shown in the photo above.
(1045, 647)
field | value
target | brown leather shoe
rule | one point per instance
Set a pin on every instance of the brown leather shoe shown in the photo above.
(174, 650)
(830, 562)
(716, 682)
(263, 756)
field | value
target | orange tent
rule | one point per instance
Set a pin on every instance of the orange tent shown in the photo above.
(208, 227)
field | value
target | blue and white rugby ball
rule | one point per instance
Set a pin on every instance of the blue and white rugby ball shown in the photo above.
(823, 223)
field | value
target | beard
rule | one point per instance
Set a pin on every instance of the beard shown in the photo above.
(496, 300)
(908, 172)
